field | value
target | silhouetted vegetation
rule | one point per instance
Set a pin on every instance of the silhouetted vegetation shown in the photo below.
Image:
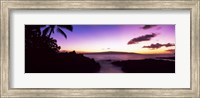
(168, 58)
(42, 53)
(59, 28)
(146, 66)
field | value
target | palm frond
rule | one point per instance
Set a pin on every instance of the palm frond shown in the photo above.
(68, 27)
(51, 31)
(45, 31)
(62, 32)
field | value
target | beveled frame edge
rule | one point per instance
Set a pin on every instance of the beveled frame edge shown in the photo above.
(7, 5)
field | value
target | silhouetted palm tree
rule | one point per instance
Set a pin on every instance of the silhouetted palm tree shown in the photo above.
(50, 29)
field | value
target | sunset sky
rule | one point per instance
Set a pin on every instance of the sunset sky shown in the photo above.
(144, 39)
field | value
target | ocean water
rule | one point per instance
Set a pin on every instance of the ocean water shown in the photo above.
(105, 60)
(98, 57)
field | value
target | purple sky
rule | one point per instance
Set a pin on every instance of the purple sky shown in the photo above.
(145, 39)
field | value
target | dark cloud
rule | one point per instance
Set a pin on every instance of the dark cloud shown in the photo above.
(158, 45)
(148, 26)
(141, 38)
(153, 46)
(169, 45)
(171, 50)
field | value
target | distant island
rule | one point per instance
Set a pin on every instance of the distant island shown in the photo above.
(111, 52)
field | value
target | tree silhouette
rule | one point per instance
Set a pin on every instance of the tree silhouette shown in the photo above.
(59, 28)
(35, 42)
(42, 53)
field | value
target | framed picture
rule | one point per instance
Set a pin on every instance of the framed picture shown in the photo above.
(114, 48)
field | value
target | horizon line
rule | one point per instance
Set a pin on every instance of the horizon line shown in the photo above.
(82, 52)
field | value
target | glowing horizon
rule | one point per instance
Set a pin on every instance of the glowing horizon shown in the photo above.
(143, 39)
